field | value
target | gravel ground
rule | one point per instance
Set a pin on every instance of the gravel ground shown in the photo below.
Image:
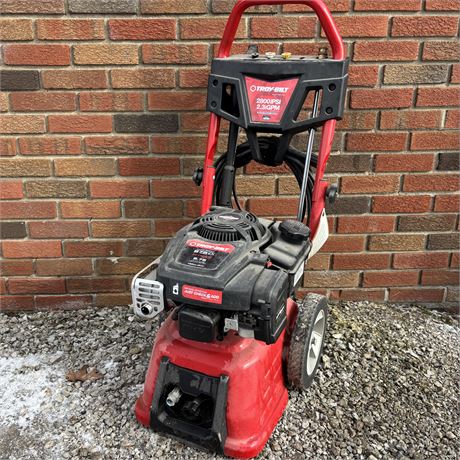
(388, 389)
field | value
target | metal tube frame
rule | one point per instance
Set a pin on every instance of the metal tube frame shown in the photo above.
(338, 52)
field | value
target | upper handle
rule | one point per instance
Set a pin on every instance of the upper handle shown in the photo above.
(321, 10)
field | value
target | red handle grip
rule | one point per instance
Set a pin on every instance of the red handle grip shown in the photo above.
(321, 10)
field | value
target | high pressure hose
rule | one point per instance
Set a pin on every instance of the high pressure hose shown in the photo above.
(295, 159)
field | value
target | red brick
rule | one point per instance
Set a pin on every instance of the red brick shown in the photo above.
(16, 303)
(142, 29)
(117, 145)
(119, 188)
(80, 123)
(102, 54)
(95, 284)
(273, 206)
(283, 27)
(416, 295)
(401, 204)
(70, 29)
(28, 7)
(167, 53)
(43, 102)
(362, 26)
(424, 26)
(11, 190)
(168, 228)
(438, 96)
(28, 210)
(194, 121)
(36, 54)
(53, 229)
(4, 104)
(64, 267)
(421, 260)
(454, 263)
(385, 51)
(455, 75)
(93, 248)
(16, 267)
(180, 188)
(202, 28)
(319, 262)
(441, 51)
(381, 98)
(176, 100)
(371, 142)
(16, 29)
(397, 242)
(127, 229)
(149, 166)
(74, 79)
(50, 145)
(328, 279)
(90, 209)
(430, 140)
(143, 78)
(7, 147)
(84, 167)
(363, 75)
(341, 243)
(63, 302)
(442, 5)
(22, 124)
(193, 78)
(431, 182)
(365, 224)
(369, 184)
(122, 266)
(447, 203)
(410, 119)
(333, 5)
(403, 162)
(31, 249)
(388, 5)
(179, 145)
(111, 102)
(384, 279)
(453, 119)
(173, 6)
(360, 261)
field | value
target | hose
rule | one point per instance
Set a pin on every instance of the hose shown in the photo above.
(295, 160)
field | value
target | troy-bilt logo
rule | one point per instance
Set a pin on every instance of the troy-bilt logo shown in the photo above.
(268, 89)
(227, 248)
(201, 294)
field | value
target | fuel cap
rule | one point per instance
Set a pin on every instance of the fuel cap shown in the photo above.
(294, 231)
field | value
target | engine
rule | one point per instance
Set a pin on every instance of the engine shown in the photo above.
(230, 270)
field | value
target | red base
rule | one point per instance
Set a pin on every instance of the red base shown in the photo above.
(257, 394)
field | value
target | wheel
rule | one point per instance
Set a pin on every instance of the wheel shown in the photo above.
(307, 341)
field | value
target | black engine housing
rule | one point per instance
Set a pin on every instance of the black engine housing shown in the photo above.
(233, 263)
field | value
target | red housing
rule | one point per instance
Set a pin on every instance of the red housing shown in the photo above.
(257, 394)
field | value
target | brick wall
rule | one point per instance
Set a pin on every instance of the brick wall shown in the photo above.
(102, 124)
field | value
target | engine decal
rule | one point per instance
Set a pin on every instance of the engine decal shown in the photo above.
(268, 99)
(201, 294)
(227, 248)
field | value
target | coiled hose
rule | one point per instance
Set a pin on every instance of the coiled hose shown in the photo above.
(294, 158)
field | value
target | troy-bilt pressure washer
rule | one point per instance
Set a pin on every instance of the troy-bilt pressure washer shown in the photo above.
(234, 336)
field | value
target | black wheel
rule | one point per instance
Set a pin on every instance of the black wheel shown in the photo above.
(307, 341)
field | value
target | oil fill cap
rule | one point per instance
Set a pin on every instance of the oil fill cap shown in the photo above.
(294, 231)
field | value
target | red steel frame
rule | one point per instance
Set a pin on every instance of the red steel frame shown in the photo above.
(338, 52)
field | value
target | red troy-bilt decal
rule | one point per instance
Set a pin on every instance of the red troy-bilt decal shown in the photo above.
(268, 99)
(201, 294)
(227, 248)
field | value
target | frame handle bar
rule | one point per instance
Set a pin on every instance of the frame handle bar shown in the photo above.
(321, 10)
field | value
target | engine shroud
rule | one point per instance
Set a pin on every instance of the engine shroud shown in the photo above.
(236, 264)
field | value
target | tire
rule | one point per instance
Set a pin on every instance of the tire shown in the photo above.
(305, 350)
